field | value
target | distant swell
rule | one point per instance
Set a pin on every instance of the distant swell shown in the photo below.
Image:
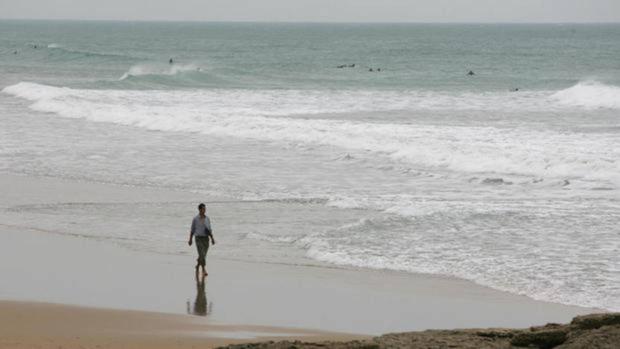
(61, 52)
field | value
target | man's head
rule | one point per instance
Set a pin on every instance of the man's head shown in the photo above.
(202, 208)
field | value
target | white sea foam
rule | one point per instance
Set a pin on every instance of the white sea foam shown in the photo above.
(501, 247)
(153, 69)
(265, 115)
(590, 94)
(270, 238)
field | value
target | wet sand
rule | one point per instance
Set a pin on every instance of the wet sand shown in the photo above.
(40, 264)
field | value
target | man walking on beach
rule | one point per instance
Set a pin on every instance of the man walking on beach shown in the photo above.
(201, 229)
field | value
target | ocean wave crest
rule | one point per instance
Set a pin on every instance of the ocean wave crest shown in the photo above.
(590, 95)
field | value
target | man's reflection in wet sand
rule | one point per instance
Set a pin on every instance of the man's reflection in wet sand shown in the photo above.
(201, 306)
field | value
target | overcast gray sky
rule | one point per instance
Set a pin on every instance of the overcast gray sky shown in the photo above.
(319, 10)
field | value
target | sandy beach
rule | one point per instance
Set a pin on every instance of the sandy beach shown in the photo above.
(109, 288)
(43, 325)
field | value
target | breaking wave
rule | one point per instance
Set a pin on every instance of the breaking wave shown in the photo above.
(154, 70)
(590, 95)
(278, 116)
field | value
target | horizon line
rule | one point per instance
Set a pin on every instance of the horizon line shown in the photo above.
(292, 22)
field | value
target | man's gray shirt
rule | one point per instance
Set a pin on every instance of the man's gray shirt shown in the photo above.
(200, 227)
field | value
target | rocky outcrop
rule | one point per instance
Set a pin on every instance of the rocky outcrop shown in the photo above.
(596, 331)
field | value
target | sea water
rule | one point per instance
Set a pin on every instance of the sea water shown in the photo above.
(354, 145)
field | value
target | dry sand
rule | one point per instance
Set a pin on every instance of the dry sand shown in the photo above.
(42, 325)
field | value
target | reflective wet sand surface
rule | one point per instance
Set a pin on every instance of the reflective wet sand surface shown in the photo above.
(45, 265)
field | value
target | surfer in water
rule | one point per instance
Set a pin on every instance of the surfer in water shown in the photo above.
(171, 61)
(201, 230)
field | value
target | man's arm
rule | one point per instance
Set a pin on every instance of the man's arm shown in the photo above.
(210, 231)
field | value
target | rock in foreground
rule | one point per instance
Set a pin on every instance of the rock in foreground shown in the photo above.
(596, 331)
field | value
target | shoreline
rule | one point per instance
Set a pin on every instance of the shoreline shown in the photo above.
(63, 269)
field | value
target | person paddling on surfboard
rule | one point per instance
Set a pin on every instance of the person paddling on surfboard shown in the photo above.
(201, 229)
